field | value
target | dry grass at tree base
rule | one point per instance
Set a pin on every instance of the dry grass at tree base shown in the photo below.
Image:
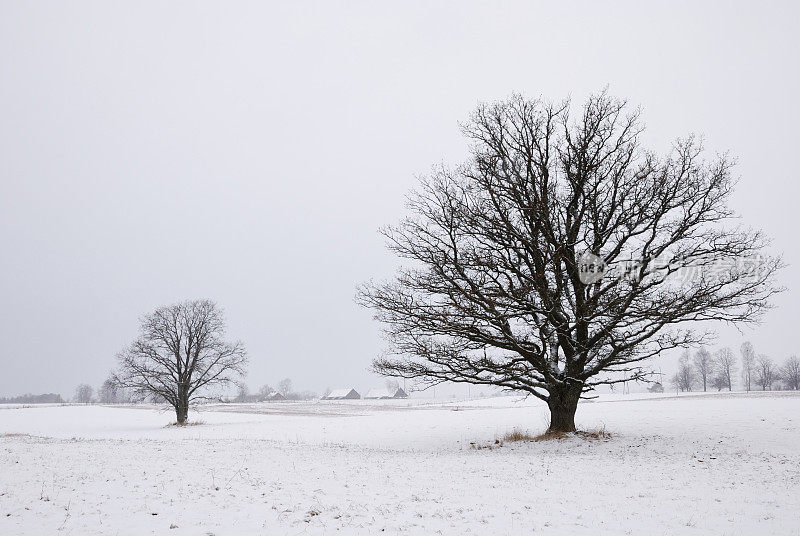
(594, 435)
(517, 435)
(181, 425)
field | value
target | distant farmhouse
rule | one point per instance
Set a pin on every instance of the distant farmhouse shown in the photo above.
(276, 397)
(342, 394)
(383, 393)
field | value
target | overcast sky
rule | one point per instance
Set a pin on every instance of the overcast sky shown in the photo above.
(247, 152)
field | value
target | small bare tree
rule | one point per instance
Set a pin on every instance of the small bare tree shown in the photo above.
(766, 374)
(109, 392)
(684, 379)
(242, 392)
(704, 365)
(748, 364)
(181, 353)
(725, 367)
(790, 373)
(718, 382)
(285, 386)
(84, 394)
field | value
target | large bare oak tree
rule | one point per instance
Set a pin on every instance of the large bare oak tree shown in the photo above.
(181, 353)
(492, 293)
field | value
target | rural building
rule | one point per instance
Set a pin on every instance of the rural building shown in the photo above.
(276, 397)
(379, 393)
(383, 393)
(342, 394)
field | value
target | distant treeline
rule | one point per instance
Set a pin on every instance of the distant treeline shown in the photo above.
(46, 398)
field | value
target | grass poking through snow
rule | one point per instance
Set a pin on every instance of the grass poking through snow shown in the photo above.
(190, 423)
(518, 435)
(592, 435)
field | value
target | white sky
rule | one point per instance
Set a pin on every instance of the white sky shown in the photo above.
(248, 151)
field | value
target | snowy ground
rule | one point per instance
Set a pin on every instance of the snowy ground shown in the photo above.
(719, 464)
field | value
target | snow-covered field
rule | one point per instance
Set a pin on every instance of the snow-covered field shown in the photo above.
(718, 464)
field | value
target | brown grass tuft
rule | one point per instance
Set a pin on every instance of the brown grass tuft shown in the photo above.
(192, 423)
(592, 435)
(547, 436)
(518, 435)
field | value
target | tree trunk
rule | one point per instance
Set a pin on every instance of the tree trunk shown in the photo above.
(182, 412)
(182, 404)
(563, 403)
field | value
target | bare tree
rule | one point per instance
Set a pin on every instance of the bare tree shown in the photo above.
(495, 292)
(675, 380)
(704, 365)
(180, 354)
(718, 382)
(725, 367)
(684, 379)
(790, 373)
(766, 374)
(108, 393)
(285, 386)
(242, 392)
(84, 394)
(748, 364)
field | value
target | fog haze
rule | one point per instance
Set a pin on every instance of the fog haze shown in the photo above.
(248, 152)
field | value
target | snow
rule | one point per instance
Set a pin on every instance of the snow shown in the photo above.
(713, 464)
